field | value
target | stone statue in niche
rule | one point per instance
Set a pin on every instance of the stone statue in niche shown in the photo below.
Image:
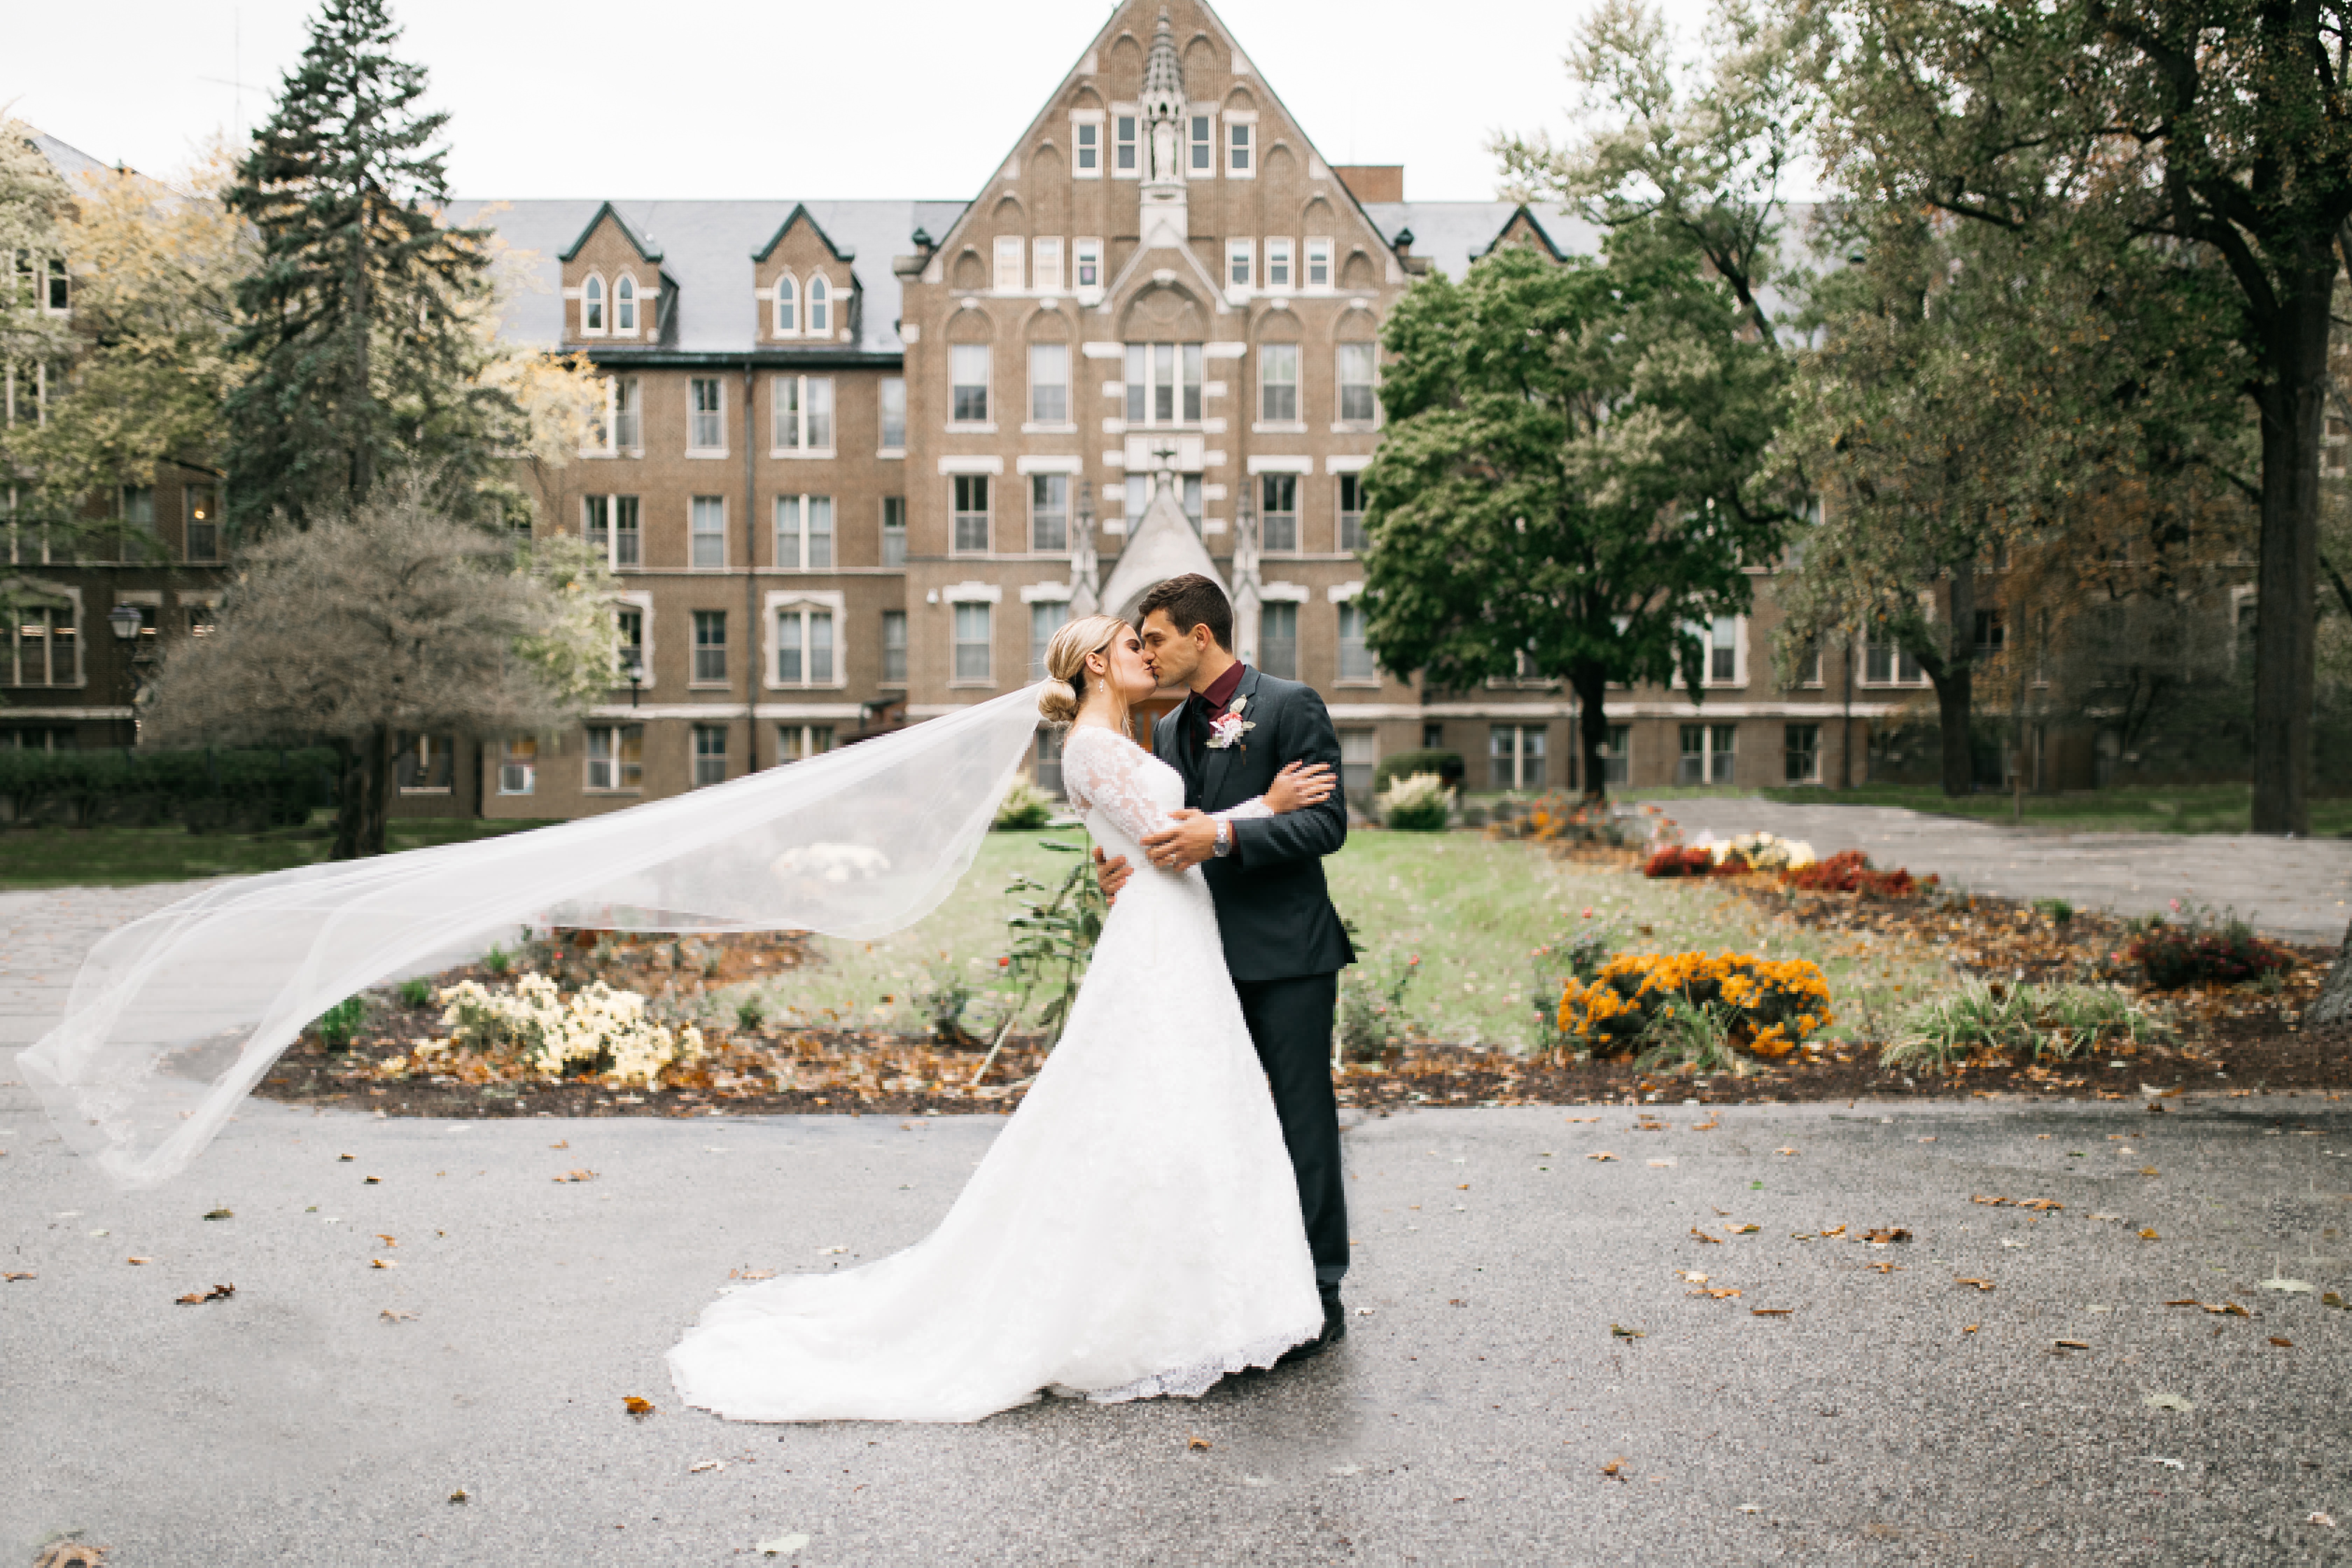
(1163, 151)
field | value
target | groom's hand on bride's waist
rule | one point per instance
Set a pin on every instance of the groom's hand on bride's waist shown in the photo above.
(1193, 840)
(1111, 873)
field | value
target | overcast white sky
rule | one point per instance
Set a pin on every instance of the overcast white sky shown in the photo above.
(778, 98)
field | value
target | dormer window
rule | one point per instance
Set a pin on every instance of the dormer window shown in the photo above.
(820, 307)
(624, 305)
(788, 306)
(591, 307)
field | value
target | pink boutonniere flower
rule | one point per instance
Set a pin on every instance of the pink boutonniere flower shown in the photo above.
(1226, 730)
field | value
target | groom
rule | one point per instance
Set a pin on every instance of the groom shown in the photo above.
(1284, 942)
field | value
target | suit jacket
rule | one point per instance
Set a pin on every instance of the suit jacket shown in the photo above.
(1272, 908)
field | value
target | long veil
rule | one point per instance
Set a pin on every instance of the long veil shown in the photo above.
(175, 1016)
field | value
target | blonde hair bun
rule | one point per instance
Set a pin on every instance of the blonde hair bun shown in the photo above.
(1057, 702)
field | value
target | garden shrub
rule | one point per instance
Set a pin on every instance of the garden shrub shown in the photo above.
(1555, 818)
(1686, 860)
(594, 1032)
(2033, 1023)
(2203, 949)
(1372, 1016)
(252, 789)
(1580, 958)
(1850, 871)
(1418, 802)
(1768, 1006)
(1024, 807)
(1446, 765)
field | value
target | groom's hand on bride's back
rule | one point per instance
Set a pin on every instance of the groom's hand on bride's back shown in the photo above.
(1111, 872)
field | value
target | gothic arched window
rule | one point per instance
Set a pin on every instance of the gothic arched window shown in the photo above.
(592, 305)
(820, 307)
(625, 304)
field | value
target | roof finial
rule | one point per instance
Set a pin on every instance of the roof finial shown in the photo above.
(1164, 75)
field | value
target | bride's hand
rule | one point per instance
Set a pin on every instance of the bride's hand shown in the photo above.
(1299, 785)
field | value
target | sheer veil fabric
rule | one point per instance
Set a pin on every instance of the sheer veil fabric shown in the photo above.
(175, 1016)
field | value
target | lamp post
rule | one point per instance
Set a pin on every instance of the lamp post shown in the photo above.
(636, 671)
(126, 622)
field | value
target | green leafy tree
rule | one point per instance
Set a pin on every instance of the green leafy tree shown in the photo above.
(360, 318)
(36, 345)
(2216, 129)
(382, 617)
(1567, 484)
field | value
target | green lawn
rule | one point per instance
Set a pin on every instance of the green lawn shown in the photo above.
(1473, 910)
(2212, 808)
(49, 856)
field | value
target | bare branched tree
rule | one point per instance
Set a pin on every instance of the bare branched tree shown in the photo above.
(383, 618)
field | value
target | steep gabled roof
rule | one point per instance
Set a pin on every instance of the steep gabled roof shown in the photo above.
(645, 248)
(800, 211)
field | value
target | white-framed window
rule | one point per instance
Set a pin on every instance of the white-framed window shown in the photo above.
(972, 631)
(518, 766)
(1085, 257)
(1045, 265)
(1723, 651)
(425, 764)
(1280, 266)
(968, 383)
(625, 413)
(1241, 148)
(1318, 264)
(1710, 754)
(1617, 755)
(804, 646)
(1277, 382)
(894, 531)
(1046, 616)
(1049, 513)
(609, 526)
(707, 533)
(202, 506)
(1801, 754)
(1359, 389)
(893, 647)
(1086, 148)
(709, 648)
(820, 306)
(1126, 143)
(1008, 263)
(893, 414)
(970, 513)
(803, 416)
(58, 297)
(709, 755)
(591, 307)
(1240, 263)
(624, 305)
(616, 757)
(798, 743)
(1355, 650)
(1514, 756)
(1163, 384)
(1809, 663)
(1278, 512)
(1351, 512)
(1885, 662)
(1201, 139)
(629, 643)
(788, 306)
(804, 533)
(707, 415)
(1359, 758)
(1049, 383)
(1277, 639)
(46, 647)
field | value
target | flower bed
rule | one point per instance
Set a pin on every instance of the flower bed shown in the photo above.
(2203, 949)
(535, 1030)
(1768, 1006)
(1850, 871)
(1688, 860)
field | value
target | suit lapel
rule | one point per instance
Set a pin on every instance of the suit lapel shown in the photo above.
(1221, 762)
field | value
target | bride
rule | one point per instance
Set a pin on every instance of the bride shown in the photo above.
(1135, 1229)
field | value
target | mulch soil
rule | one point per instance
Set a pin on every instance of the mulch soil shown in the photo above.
(2236, 1042)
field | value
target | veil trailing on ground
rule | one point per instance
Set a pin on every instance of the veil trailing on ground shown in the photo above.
(175, 1016)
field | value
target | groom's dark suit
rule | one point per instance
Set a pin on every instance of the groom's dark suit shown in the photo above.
(1284, 942)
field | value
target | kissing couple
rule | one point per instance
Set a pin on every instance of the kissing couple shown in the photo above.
(1165, 1207)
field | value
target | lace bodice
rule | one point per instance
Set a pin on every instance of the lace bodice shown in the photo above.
(1109, 777)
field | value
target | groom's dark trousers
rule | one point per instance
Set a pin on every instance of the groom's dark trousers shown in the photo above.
(1284, 943)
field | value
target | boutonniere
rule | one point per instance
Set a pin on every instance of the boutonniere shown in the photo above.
(1227, 729)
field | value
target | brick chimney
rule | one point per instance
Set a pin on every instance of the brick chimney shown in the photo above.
(1373, 181)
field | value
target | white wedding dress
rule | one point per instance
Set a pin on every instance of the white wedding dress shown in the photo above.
(1133, 1231)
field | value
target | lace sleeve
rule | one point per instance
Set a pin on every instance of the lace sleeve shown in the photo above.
(1100, 769)
(1249, 810)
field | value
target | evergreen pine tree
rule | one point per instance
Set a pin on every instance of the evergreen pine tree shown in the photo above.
(356, 318)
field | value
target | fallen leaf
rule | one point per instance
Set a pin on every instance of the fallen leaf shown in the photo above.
(2324, 1521)
(1615, 1467)
(2044, 1205)
(1993, 1202)
(2149, 1235)
(2168, 1401)
(565, 1144)
(750, 1274)
(1710, 1241)
(1887, 1267)
(2071, 1344)
(1930, 1139)
(1970, 1328)
(135, 1262)
(2330, 1298)
(2186, 1302)
(385, 1239)
(222, 1213)
(697, 1468)
(370, 1181)
(2147, 1170)
(1718, 1294)
(2159, 1459)
(1770, 1311)
(381, 1263)
(829, 1252)
(640, 1408)
(72, 1554)
(1829, 1231)
(345, 1159)
(2292, 1285)
(394, 1315)
(1691, 1278)
(198, 1298)
(1197, 1445)
(2230, 1308)
(461, 1495)
(1661, 1163)
(1602, 1154)
(1886, 1235)
(2282, 1343)
(1784, 1151)
(1619, 1331)
(577, 1177)
(11, 1279)
(782, 1545)
(1743, 1229)
(1980, 1284)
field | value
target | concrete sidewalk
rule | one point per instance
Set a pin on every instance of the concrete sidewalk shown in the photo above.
(2297, 888)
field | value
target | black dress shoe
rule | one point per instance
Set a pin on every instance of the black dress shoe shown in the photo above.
(1335, 1328)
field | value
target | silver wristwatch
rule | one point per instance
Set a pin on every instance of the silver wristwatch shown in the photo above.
(1225, 838)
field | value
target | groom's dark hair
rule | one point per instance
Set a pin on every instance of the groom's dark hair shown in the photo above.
(1192, 601)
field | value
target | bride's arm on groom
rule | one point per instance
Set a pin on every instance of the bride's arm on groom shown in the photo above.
(1302, 734)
